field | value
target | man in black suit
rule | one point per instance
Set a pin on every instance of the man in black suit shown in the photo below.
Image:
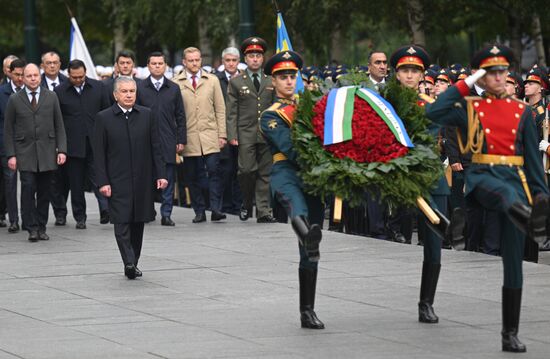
(164, 99)
(8, 177)
(51, 65)
(51, 78)
(232, 197)
(80, 99)
(124, 66)
(35, 144)
(128, 162)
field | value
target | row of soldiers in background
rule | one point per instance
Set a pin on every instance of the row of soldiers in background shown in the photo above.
(377, 220)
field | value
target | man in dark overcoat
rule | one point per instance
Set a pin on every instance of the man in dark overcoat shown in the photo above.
(129, 165)
(163, 97)
(80, 99)
(35, 144)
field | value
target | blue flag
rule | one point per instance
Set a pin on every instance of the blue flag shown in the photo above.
(283, 44)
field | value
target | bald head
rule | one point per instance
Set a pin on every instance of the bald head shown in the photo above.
(31, 77)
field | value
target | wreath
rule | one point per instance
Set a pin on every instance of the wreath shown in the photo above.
(373, 160)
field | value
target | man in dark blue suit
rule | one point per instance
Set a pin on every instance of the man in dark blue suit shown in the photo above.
(51, 65)
(164, 99)
(9, 176)
(80, 98)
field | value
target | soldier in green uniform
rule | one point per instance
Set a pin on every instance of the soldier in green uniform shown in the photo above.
(305, 211)
(248, 95)
(506, 172)
(409, 63)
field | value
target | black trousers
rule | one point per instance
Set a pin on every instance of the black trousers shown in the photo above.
(59, 191)
(35, 202)
(129, 238)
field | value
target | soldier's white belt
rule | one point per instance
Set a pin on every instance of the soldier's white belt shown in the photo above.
(493, 160)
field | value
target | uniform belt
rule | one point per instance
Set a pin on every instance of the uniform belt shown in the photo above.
(279, 157)
(485, 159)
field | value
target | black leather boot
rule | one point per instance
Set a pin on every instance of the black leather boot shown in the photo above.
(537, 221)
(455, 231)
(308, 283)
(511, 307)
(519, 214)
(430, 276)
(310, 236)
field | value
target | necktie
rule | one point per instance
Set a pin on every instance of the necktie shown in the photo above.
(53, 85)
(194, 82)
(157, 85)
(33, 101)
(256, 82)
(17, 89)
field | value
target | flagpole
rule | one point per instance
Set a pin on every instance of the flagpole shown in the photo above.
(69, 10)
(276, 6)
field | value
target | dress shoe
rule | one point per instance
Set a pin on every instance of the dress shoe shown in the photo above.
(130, 271)
(545, 246)
(199, 218)
(245, 213)
(138, 272)
(167, 221)
(43, 236)
(33, 236)
(217, 216)
(13, 228)
(80, 225)
(60, 221)
(267, 219)
(104, 217)
(3, 223)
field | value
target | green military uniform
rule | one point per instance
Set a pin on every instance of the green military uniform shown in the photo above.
(305, 211)
(245, 104)
(505, 175)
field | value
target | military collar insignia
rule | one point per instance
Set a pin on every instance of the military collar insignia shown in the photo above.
(286, 56)
(495, 50)
(411, 50)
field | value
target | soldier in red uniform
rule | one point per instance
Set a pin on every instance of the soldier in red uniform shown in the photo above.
(506, 173)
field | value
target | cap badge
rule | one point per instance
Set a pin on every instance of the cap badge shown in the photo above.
(411, 50)
(286, 56)
(254, 40)
(495, 50)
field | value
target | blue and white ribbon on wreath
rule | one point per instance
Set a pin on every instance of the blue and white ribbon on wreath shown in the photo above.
(339, 112)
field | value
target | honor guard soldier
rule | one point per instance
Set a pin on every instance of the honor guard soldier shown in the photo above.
(305, 211)
(506, 172)
(248, 95)
(409, 63)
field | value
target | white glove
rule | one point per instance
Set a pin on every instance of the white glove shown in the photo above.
(472, 79)
(543, 145)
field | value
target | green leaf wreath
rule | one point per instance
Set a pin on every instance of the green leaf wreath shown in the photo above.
(399, 181)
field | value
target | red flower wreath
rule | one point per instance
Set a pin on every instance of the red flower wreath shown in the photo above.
(372, 139)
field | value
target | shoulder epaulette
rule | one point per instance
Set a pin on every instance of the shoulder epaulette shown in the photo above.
(426, 98)
(287, 114)
(274, 107)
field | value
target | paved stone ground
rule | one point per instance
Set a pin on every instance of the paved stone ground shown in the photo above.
(229, 290)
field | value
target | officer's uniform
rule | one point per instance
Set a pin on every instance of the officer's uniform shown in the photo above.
(417, 57)
(245, 104)
(505, 175)
(305, 211)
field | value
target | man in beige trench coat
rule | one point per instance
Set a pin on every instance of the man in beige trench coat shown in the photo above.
(206, 134)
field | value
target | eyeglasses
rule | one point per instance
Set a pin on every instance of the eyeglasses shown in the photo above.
(50, 63)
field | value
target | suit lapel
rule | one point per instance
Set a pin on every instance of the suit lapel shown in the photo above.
(264, 83)
(25, 98)
(41, 99)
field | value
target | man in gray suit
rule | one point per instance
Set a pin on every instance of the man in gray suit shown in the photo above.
(248, 95)
(35, 143)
